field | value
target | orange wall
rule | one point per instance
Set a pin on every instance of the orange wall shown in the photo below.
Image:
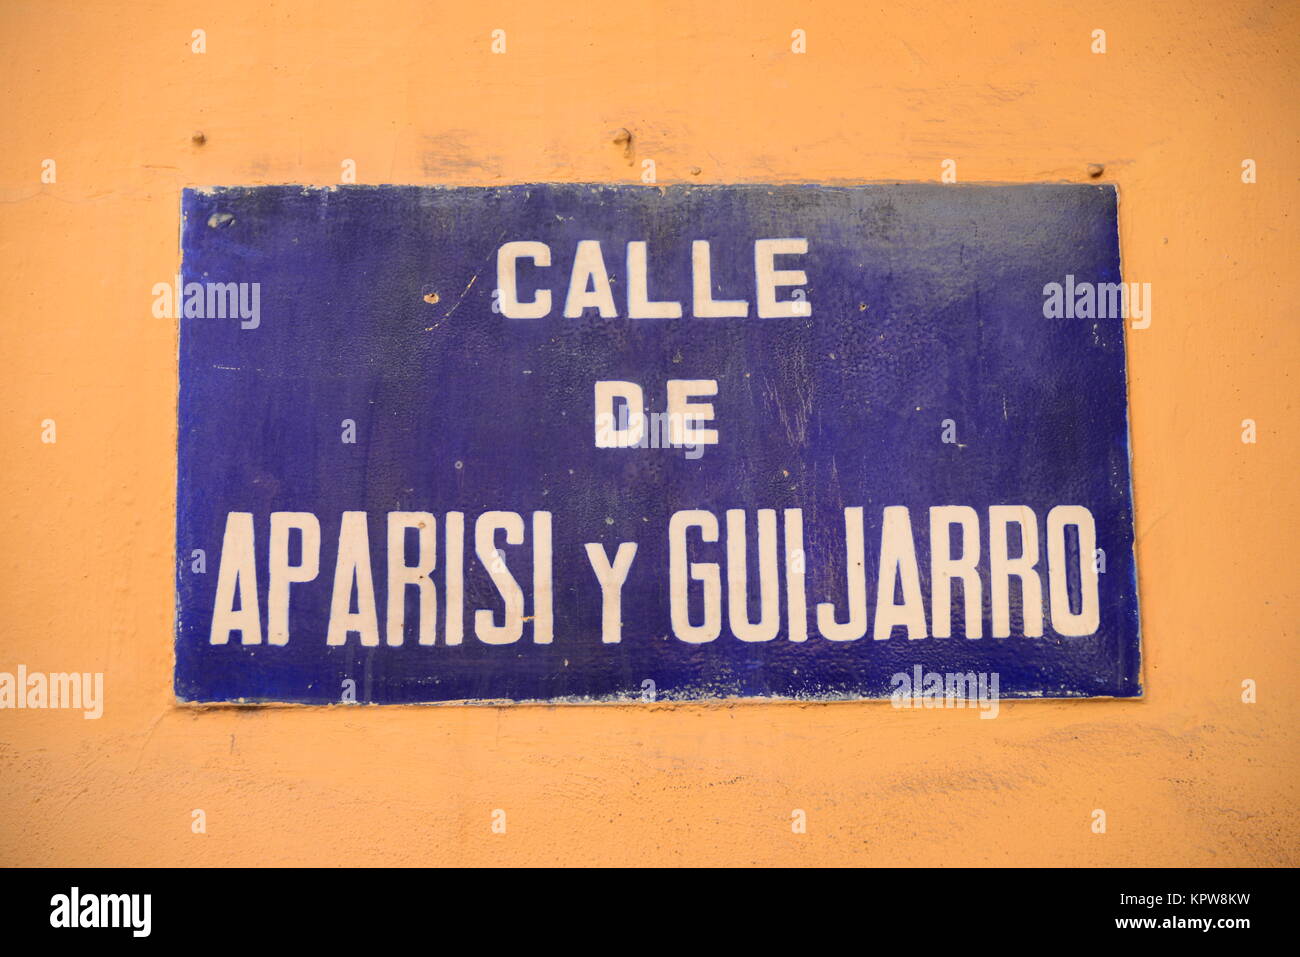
(410, 91)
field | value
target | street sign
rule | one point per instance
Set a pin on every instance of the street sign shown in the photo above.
(589, 443)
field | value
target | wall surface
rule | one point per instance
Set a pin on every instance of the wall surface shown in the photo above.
(712, 92)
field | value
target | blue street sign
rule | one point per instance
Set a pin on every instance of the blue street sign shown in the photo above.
(566, 442)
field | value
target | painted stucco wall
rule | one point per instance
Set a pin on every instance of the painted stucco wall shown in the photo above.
(713, 94)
